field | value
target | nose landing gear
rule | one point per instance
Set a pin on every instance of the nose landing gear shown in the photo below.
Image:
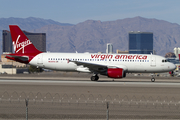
(152, 79)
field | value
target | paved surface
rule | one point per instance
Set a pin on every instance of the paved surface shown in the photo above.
(74, 96)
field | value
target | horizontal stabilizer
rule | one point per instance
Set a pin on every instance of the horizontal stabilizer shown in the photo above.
(21, 58)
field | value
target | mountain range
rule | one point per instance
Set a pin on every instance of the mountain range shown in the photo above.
(93, 35)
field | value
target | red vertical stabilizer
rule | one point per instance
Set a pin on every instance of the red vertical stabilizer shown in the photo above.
(24, 50)
(21, 43)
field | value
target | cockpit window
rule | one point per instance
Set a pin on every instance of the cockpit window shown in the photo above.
(165, 60)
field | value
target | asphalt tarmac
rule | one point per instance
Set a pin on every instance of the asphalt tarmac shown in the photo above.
(74, 96)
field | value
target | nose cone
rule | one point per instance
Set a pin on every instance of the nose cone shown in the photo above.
(172, 66)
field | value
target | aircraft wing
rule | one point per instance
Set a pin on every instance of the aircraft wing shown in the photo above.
(95, 68)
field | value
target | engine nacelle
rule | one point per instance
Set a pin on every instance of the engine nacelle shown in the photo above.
(116, 73)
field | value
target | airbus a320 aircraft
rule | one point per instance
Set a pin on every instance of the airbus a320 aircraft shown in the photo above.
(111, 65)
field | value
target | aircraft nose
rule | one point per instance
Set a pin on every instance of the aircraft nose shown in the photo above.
(172, 66)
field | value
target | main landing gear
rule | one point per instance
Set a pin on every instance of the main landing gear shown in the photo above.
(95, 77)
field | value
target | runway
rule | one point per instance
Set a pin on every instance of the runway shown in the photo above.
(81, 82)
(134, 98)
(128, 86)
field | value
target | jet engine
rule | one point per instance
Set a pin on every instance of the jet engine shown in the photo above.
(116, 73)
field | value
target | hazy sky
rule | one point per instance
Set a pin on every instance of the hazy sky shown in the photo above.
(76, 11)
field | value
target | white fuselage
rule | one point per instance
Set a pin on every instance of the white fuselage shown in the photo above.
(131, 63)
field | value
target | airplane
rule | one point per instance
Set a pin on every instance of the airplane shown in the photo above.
(111, 65)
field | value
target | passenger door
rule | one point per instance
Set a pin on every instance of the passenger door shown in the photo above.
(153, 61)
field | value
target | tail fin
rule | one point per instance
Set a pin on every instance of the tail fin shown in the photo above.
(25, 51)
(21, 44)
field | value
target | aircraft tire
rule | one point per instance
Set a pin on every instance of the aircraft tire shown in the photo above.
(97, 78)
(152, 79)
(94, 78)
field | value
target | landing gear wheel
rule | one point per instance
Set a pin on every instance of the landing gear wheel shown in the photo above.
(94, 78)
(97, 78)
(152, 79)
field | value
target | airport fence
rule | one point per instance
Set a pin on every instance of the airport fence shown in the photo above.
(47, 106)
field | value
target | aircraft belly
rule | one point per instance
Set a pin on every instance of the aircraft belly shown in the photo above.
(61, 66)
(138, 68)
(142, 68)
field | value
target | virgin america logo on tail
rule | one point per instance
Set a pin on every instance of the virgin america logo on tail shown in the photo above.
(20, 46)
